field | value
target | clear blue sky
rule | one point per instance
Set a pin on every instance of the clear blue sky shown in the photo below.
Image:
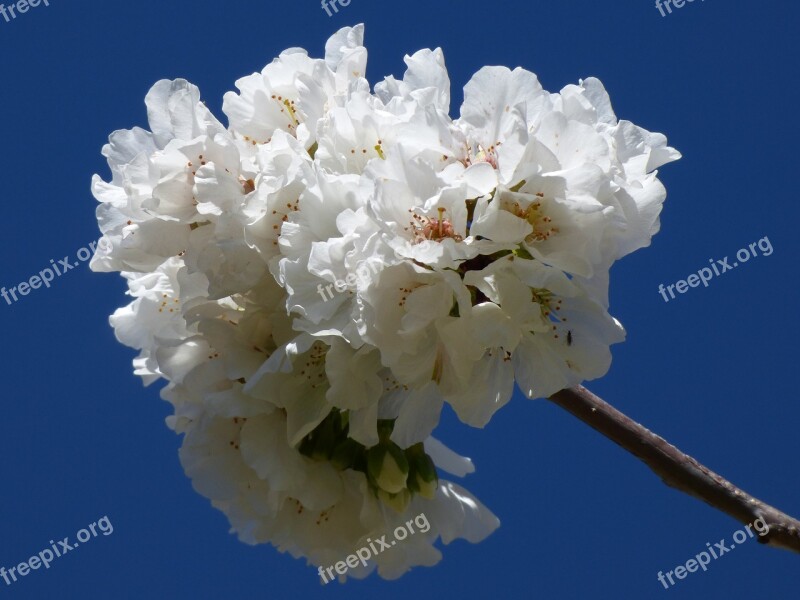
(712, 371)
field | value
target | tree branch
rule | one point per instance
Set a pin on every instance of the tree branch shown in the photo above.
(677, 469)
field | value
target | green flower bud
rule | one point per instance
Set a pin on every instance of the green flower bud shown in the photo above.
(388, 467)
(422, 477)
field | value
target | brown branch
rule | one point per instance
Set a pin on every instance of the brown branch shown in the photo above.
(677, 469)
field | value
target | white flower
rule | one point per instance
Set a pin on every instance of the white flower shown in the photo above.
(274, 494)
(316, 281)
(552, 330)
(295, 91)
(426, 81)
(147, 207)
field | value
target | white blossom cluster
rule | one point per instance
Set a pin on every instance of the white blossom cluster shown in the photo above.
(476, 253)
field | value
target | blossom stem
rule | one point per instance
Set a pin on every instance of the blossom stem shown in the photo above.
(678, 470)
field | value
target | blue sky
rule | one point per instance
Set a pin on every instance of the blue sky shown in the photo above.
(80, 438)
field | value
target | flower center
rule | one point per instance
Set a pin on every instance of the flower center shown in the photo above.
(550, 306)
(479, 154)
(536, 215)
(436, 229)
(542, 225)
